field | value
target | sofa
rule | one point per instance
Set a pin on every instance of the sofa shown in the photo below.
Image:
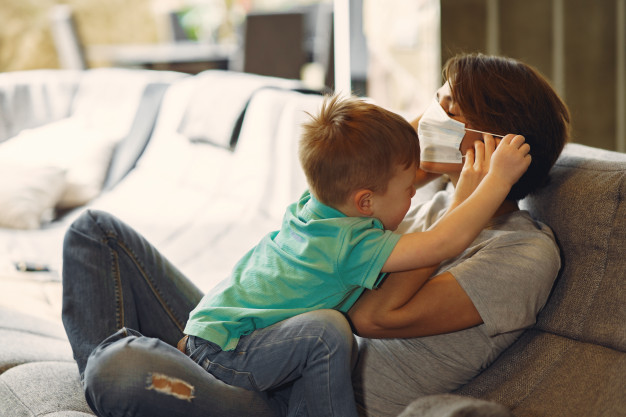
(203, 166)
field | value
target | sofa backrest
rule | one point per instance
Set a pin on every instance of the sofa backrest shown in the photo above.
(30, 99)
(585, 204)
(128, 151)
(268, 143)
(218, 101)
(98, 105)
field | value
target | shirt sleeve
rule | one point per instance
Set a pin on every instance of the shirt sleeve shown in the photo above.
(510, 278)
(364, 251)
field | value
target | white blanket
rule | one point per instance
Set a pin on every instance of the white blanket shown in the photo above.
(204, 206)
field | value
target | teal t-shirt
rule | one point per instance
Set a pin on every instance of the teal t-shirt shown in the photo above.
(318, 259)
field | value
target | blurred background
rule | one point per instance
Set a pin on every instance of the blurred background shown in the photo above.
(393, 53)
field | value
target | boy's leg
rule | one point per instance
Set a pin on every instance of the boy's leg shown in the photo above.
(312, 350)
(295, 393)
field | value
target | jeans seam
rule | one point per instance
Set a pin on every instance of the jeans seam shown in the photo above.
(327, 365)
(119, 293)
(231, 371)
(147, 280)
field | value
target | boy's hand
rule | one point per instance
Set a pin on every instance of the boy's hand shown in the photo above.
(475, 168)
(510, 160)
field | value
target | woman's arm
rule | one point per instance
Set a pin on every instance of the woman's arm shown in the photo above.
(407, 304)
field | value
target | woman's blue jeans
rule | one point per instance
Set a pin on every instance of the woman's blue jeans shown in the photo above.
(124, 310)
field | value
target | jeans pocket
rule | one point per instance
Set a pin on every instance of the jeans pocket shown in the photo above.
(221, 364)
(199, 349)
(231, 376)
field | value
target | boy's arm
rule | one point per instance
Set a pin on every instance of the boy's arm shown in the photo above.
(454, 232)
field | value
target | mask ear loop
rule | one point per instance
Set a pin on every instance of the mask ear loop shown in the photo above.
(480, 131)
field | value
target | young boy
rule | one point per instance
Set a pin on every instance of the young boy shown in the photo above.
(361, 164)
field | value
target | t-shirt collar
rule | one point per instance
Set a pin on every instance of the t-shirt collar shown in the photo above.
(321, 210)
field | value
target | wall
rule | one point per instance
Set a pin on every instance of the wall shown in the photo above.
(25, 37)
(580, 45)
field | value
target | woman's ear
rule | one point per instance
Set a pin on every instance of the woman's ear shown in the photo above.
(363, 202)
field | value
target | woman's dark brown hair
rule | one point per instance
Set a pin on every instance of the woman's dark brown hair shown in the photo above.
(502, 95)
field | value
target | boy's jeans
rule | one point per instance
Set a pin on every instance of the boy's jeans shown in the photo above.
(115, 281)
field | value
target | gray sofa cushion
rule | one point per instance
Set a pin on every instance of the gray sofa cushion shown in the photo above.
(42, 389)
(38, 375)
(544, 374)
(585, 206)
(572, 362)
(27, 339)
(20, 347)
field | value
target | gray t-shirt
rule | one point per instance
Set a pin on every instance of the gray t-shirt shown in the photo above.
(508, 272)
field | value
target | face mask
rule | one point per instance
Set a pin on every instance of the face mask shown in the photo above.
(440, 136)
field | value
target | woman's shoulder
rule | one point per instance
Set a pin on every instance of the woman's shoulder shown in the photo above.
(520, 225)
(519, 240)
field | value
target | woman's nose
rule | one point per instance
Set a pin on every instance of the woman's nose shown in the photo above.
(446, 103)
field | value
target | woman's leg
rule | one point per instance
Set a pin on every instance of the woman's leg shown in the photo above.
(114, 278)
(114, 281)
(133, 375)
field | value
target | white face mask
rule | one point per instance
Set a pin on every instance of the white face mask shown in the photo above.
(441, 136)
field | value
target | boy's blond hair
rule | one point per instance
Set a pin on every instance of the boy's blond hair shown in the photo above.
(351, 145)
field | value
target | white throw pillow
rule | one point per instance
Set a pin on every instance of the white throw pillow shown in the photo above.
(28, 194)
(83, 153)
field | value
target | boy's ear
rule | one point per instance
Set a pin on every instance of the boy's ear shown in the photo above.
(363, 202)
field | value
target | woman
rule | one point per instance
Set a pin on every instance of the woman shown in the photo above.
(113, 279)
(442, 334)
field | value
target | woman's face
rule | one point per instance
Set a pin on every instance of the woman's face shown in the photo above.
(444, 96)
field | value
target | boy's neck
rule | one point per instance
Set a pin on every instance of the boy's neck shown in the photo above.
(348, 210)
